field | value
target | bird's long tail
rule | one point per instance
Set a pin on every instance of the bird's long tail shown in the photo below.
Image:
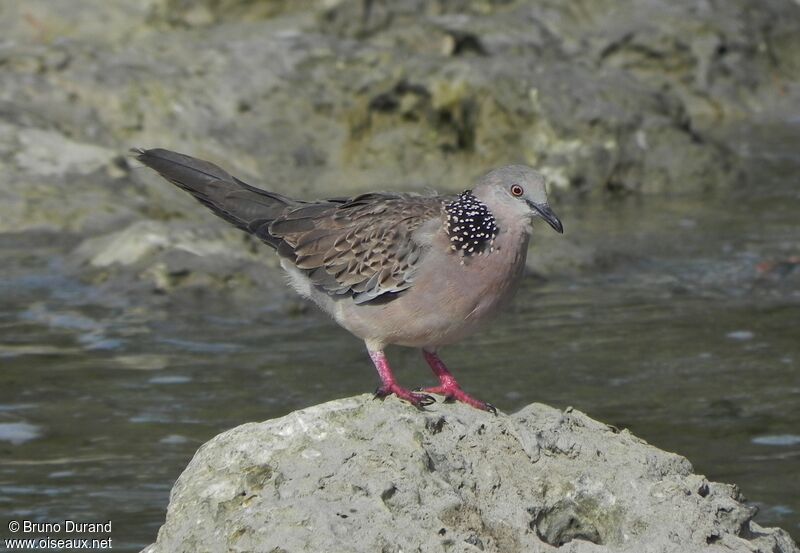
(249, 208)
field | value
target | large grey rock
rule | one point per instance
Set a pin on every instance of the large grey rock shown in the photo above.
(363, 475)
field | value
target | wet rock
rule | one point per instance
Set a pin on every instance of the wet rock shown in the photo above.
(168, 257)
(43, 152)
(51, 182)
(363, 475)
(144, 238)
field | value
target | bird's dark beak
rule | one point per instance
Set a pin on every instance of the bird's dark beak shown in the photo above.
(547, 214)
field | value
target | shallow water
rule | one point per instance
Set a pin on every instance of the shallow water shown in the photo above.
(681, 331)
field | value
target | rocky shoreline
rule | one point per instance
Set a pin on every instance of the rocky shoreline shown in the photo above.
(317, 99)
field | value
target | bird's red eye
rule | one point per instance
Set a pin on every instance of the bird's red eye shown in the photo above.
(516, 190)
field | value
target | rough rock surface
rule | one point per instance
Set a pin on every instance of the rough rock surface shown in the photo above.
(363, 475)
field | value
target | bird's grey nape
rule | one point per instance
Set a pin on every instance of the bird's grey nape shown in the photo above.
(470, 225)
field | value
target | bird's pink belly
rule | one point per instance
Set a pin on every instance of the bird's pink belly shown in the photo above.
(449, 306)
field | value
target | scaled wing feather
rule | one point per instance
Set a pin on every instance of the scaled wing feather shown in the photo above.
(363, 247)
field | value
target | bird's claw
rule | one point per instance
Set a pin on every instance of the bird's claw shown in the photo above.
(453, 393)
(478, 404)
(415, 398)
(419, 398)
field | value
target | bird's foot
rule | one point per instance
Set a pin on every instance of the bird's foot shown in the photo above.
(453, 392)
(417, 399)
(448, 387)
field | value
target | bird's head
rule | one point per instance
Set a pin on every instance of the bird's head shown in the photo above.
(517, 190)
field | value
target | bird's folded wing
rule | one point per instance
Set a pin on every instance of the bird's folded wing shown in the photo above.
(365, 247)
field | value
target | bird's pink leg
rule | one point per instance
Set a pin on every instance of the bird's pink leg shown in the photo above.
(448, 386)
(390, 386)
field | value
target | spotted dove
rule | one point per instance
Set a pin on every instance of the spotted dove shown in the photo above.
(413, 270)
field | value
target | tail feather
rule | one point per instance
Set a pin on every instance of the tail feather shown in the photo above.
(249, 208)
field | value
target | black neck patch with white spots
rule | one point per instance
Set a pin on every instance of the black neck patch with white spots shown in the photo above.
(470, 225)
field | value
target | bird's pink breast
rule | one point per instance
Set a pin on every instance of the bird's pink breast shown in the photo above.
(448, 301)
